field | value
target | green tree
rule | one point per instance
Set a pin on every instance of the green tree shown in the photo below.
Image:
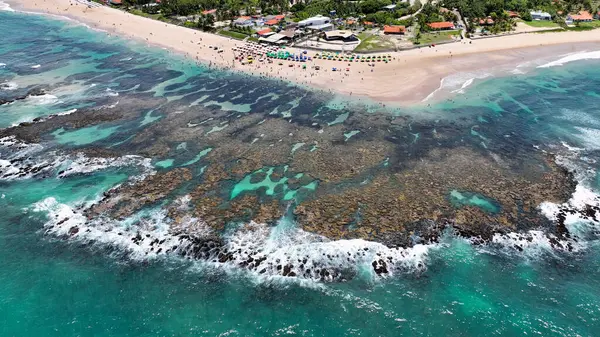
(370, 6)
(526, 15)
(206, 22)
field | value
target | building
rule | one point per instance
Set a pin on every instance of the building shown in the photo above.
(272, 22)
(321, 28)
(441, 25)
(340, 35)
(116, 2)
(390, 8)
(582, 16)
(210, 11)
(265, 32)
(512, 14)
(394, 29)
(275, 39)
(318, 20)
(539, 15)
(486, 22)
(244, 21)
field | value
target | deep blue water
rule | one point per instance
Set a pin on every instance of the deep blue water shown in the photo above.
(50, 286)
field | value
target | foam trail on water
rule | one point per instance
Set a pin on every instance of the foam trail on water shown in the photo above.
(466, 84)
(592, 55)
(434, 92)
(457, 83)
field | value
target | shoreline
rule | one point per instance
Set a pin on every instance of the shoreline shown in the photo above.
(411, 78)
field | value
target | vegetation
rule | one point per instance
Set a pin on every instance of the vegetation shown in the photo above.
(232, 34)
(477, 9)
(542, 24)
(368, 10)
(435, 37)
(493, 12)
(225, 9)
(156, 16)
(593, 24)
(372, 43)
(206, 22)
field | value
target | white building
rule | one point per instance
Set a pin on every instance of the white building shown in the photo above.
(318, 20)
(539, 15)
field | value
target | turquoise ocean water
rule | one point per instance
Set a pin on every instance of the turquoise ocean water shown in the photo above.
(50, 286)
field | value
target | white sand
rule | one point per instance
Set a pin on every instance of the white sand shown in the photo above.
(409, 78)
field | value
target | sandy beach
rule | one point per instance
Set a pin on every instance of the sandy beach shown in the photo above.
(409, 78)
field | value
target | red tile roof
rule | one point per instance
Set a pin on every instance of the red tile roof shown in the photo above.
(486, 21)
(582, 16)
(272, 22)
(512, 14)
(264, 31)
(394, 29)
(210, 11)
(441, 25)
(280, 17)
(368, 23)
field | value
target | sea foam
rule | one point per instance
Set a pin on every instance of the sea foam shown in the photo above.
(573, 57)
(5, 7)
(8, 85)
(262, 250)
(20, 160)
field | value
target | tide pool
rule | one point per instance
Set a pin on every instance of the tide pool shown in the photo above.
(84, 136)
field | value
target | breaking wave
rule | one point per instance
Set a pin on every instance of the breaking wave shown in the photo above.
(263, 250)
(8, 85)
(285, 251)
(592, 55)
(19, 160)
(5, 7)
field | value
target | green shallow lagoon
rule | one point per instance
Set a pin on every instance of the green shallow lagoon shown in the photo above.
(84, 136)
